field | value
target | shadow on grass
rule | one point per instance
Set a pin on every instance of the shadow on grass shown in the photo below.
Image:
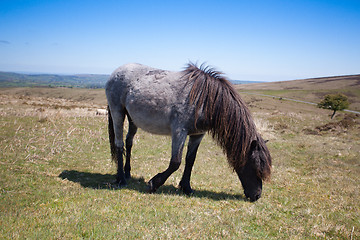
(105, 181)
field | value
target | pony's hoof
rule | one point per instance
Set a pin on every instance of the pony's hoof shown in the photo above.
(151, 188)
(187, 190)
(127, 175)
(121, 183)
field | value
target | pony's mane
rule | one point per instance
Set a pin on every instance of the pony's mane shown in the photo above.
(230, 121)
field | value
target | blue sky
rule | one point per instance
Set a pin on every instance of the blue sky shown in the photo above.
(248, 40)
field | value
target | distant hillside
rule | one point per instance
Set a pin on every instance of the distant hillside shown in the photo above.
(309, 90)
(236, 82)
(324, 83)
(9, 79)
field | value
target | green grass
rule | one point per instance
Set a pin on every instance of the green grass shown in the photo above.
(55, 171)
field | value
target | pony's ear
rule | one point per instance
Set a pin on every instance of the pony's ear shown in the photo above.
(253, 145)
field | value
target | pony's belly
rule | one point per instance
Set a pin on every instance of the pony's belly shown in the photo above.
(154, 129)
(150, 117)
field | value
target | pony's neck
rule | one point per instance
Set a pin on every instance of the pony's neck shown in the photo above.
(223, 110)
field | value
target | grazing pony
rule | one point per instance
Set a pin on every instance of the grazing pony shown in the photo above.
(180, 104)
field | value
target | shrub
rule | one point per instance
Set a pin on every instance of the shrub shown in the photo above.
(335, 102)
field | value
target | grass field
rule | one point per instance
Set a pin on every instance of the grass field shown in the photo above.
(55, 171)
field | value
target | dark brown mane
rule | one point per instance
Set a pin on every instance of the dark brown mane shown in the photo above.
(230, 121)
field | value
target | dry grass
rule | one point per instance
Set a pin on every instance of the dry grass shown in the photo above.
(55, 171)
(44, 107)
(96, 97)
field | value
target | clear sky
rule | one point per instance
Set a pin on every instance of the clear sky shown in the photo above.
(262, 40)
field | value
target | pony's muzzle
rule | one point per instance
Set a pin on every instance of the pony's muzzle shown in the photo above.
(254, 196)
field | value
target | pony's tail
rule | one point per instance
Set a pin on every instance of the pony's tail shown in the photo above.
(111, 136)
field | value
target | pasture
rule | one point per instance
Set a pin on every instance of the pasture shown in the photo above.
(55, 175)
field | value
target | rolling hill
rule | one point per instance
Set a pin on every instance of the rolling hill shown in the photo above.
(324, 83)
(309, 90)
(10, 79)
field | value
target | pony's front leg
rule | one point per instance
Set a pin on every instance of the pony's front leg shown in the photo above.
(178, 140)
(193, 145)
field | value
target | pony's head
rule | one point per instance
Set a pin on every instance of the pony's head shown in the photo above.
(256, 169)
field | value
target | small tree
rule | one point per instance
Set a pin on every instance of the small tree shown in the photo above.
(335, 102)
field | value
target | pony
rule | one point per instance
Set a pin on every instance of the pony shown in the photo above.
(192, 102)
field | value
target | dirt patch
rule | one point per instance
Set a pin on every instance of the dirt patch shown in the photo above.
(349, 122)
(309, 131)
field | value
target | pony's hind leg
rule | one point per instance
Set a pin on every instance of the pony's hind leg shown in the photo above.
(118, 117)
(193, 145)
(128, 145)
